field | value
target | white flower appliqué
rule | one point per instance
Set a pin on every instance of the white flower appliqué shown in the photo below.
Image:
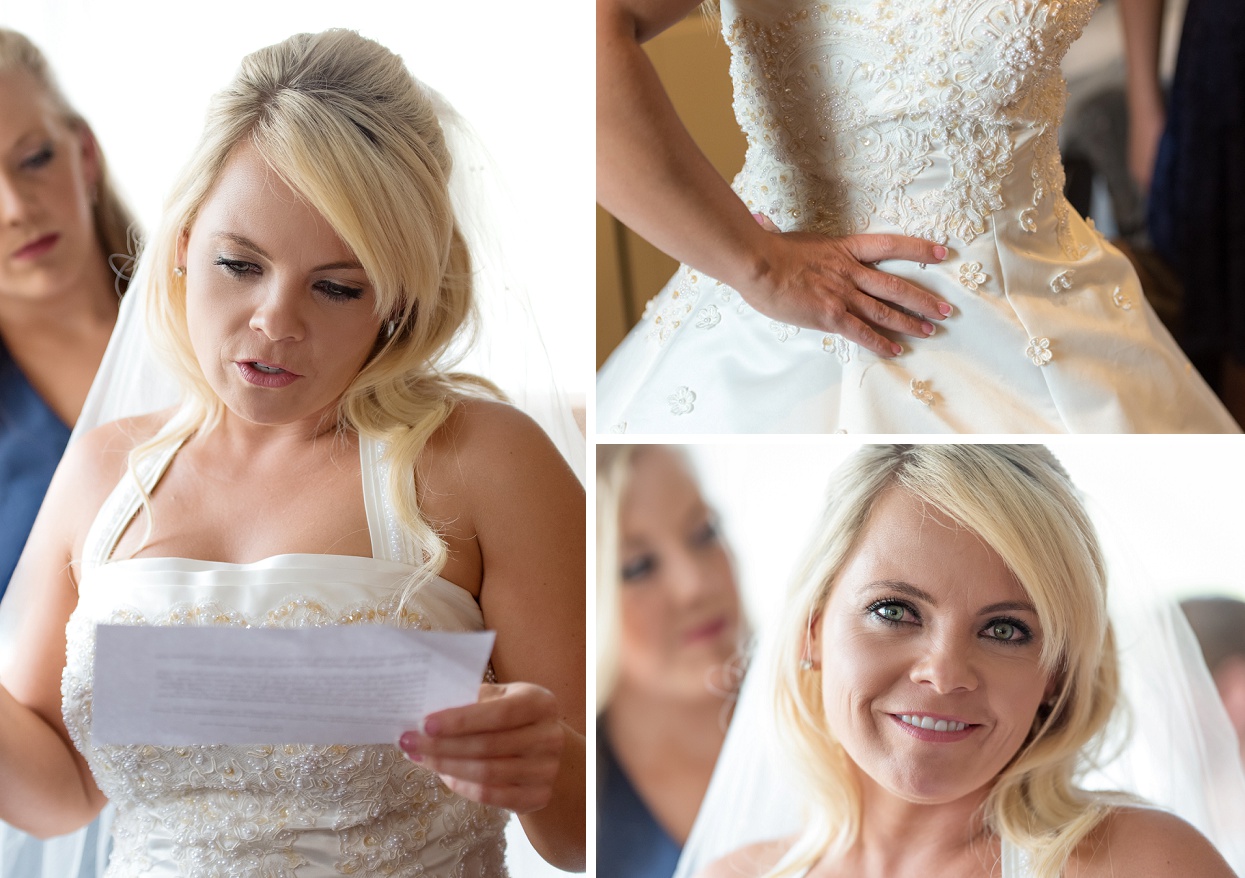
(708, 317)
(837, 345)
(1039, 351)
(921, 392)
(784, 331)
(682, 401)
(971, 275)
(1062, 281)
(1121, 301)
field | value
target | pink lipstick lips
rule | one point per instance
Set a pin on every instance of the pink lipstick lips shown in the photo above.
(37, 247)
(263, 374)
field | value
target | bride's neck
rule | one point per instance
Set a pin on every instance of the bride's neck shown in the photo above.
(899, 838)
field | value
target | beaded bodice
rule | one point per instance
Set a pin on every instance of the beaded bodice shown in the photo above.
(286, 811)
(908, 112)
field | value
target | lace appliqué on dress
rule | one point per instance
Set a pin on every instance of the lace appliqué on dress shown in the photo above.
(228, 810)
(845, 105)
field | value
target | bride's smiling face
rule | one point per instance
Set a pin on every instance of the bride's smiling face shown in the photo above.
(926, 625)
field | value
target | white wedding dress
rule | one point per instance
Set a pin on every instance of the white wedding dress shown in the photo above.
(931, 118)
(271, 811)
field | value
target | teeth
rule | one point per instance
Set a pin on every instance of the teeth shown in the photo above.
(270, 370)
(939, 725)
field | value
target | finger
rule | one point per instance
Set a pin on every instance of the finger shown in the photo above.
(883, 315)
(765, 222)
(896, 290)
(497, 772)
(504, 706)
(530, 739)
(518, 799)
(854, 329)
(875, 248)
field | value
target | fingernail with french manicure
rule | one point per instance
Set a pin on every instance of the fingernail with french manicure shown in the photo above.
(929, 329)
(944, 309)
(896, 349)
(940, 252)
(409, 745)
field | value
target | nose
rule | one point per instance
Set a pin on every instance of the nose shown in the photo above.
(277, 313)
(946, 664)
(694, 577)
(14, 206)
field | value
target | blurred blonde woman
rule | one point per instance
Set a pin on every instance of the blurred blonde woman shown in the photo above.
(943, 668)
(322, 466)
(62, 224)
(669, 631)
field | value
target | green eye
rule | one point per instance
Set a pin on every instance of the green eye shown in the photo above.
(891, 612)
(1003, 631)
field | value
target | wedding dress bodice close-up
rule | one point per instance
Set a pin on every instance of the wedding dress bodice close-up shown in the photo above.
(936, 119)
(275, 811)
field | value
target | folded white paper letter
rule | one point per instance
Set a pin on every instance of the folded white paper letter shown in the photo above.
(355, 684)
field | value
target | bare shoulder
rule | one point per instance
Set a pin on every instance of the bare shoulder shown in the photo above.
(749, 862)
(1146, 843)
(99, 456)
(483, 439)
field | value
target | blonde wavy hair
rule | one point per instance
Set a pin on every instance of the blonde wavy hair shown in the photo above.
(115, 228)
(614, 463)
(341, 120)
(1019, 500)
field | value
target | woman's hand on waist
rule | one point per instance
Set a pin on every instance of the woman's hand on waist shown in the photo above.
(831, 285)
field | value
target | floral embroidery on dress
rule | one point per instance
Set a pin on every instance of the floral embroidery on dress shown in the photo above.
(784, 331)
(971, 275)
(1039, 351)
(1028, 220)
(1121, 300)
(921, 392)
(682, 401)
(1062, 281)
(242, 810)
(620, 427)
(845, 107)
(708, 317)
(835, 344)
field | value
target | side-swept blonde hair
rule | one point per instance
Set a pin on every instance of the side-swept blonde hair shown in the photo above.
(341, 120)
(1019, 500)
(115, 228)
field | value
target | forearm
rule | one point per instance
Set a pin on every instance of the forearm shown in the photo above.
(1142, 22)
(45, 789)
(557, 831)
(650, 173)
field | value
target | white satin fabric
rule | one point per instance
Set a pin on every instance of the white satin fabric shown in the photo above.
(935, 119)
(278, 811)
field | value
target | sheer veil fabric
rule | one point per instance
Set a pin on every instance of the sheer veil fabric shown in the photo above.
(505, 347)
(1170, 741)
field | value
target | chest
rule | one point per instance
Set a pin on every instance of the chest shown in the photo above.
(234, 513)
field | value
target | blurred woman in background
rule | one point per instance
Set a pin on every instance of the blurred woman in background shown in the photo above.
(65, 232)
(669, 632)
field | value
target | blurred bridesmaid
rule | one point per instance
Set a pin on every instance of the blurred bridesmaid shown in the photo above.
(63, 229)
(669, 634)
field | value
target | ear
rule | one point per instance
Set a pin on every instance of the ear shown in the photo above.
(810, 656)
(183, 240)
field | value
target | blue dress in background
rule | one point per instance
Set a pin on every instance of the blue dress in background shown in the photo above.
(1195, 215)
(630, 843)
(32, 440)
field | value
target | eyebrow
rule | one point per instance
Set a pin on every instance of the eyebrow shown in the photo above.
(244, 241)
(911, 590)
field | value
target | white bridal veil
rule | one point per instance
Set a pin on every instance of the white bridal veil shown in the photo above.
(508, 349)
(1173, 745)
